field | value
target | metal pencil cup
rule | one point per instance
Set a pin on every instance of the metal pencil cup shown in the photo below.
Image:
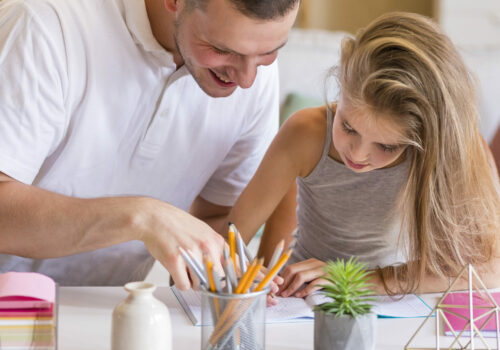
(233, 321)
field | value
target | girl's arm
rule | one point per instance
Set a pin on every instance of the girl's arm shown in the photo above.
(295, 151)
(488, 272)
(280, 225)
(305, 277)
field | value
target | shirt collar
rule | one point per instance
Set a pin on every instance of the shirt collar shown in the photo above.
(138, 24)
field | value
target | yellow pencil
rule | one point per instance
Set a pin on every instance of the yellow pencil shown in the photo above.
(211, 283)
(209, 266)
(254, 272)
(243, 279)
(231, 237)
(274, 271)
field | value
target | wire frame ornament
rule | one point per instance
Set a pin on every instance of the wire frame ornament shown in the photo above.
(464, 339)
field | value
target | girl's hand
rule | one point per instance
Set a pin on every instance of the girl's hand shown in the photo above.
(297, 275)
(273, 287)
(271, 299)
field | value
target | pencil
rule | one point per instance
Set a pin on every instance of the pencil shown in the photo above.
(232, 245)
(243, 279)
(255, 270)
(248, 255)
(209, 266)
(241, 253)
(217, 285)
(230, 274)
(198, 264)
(274, 271)
(276, 254)
(191, 262)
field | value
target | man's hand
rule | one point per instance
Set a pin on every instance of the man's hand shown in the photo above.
(166, 227)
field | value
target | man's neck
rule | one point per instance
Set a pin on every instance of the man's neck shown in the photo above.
(162, 24)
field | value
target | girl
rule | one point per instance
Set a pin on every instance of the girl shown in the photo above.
(395, 173)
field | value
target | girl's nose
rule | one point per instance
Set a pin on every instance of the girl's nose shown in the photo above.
(360, 152)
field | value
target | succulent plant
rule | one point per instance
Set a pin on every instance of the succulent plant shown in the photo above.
(348, 287)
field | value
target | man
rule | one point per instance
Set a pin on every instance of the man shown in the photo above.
(119, 116)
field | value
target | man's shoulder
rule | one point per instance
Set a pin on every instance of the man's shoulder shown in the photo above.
(48, 11)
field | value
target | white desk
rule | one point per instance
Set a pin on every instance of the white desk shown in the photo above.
(85, 324)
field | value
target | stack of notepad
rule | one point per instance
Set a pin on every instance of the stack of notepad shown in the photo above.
(27, 311)
(457, 312)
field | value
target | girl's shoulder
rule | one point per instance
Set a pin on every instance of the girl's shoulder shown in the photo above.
(305, 134)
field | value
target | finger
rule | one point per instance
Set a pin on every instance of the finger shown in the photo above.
(308, 264)
(291, 270)
(273, 287)
(300, 279)
(311, 288)
(178, 270)
(195, 281)
(214, 251)
(278, 280)
(271, 300)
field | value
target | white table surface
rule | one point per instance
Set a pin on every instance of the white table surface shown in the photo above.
(85, 324)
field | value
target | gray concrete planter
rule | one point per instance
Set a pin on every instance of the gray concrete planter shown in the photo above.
(344, 333)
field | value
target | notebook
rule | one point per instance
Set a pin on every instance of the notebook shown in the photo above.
(28, 311)
(458, 323)
(301, 310)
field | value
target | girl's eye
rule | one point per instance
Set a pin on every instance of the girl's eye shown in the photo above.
(348, 129)
(389, 148)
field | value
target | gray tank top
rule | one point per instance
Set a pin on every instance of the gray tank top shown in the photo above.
(342, 213)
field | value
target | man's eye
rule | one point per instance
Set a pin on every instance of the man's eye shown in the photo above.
(220, 52)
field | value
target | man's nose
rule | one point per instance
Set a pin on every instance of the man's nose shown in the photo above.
(245, 72)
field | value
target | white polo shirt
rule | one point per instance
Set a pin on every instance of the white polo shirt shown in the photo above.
(91, 105)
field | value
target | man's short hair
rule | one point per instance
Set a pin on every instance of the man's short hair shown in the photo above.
(258, 9)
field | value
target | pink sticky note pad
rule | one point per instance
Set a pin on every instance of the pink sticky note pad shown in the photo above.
(462, 298)
(26, 290)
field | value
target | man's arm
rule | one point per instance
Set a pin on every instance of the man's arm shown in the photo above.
(40, 224)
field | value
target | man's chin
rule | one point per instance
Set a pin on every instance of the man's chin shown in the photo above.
(216, 93)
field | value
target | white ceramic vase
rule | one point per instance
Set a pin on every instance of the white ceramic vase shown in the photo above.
(141, 321)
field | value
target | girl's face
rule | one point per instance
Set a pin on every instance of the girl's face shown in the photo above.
(364, 141)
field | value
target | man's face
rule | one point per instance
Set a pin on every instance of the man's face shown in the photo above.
(222, 48)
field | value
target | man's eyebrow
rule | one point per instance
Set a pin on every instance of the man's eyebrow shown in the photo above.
(228, 50)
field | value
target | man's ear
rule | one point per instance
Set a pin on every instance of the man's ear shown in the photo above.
(172, 5)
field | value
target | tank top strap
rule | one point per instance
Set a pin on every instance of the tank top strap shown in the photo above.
(328, 136)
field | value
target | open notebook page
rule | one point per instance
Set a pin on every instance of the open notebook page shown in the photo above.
(301, 310)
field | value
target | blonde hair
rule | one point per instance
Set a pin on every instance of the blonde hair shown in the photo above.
(403, 66)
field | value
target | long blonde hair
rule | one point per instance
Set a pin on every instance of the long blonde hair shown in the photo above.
(402, 65)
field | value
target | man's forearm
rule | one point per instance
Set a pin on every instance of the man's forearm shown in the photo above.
(41, 224)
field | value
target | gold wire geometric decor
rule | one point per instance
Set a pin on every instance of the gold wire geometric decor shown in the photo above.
(464, 339)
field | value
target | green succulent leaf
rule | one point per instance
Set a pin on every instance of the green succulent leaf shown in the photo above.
(348, 287)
